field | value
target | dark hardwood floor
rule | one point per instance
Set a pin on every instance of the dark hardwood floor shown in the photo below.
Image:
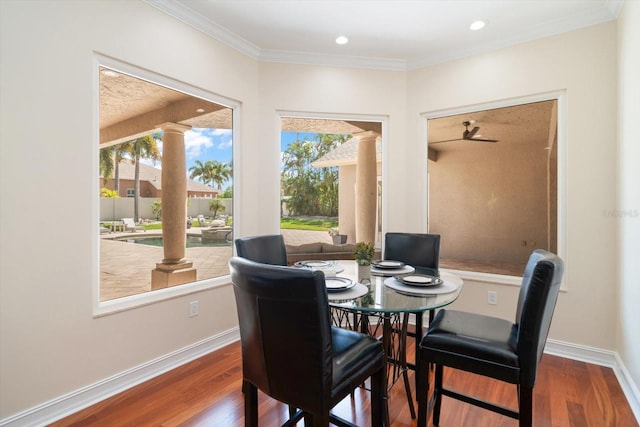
(206, 392)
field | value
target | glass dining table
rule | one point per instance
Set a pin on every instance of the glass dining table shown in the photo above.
(381, 308)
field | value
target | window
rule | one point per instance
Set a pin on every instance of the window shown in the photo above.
(319, 170)
(493, 185)
(137, 213)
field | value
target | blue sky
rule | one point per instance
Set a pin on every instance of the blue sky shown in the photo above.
(217, 144)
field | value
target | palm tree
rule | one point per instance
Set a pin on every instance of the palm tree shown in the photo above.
(202, 171)
(111, 167)
(211, 172)
(220, 173)
(106, 163)
(145, 147)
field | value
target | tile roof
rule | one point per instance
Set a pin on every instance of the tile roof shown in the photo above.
(154, 177)
(344, 155)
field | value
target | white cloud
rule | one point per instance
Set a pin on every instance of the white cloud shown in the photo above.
(195, 142)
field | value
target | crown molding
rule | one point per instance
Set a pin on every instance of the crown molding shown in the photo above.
(205, 25)
(608, 11)
(307, 58)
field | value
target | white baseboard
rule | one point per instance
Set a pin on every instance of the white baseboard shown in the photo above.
(84, 397)
(77, 400)
(602, 358)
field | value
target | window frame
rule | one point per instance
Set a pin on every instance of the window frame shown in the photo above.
(561, 238)
(102, 308)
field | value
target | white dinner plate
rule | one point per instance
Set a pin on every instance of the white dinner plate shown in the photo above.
(419, 280)
(314, 264)
(335, 283)
(387, 263)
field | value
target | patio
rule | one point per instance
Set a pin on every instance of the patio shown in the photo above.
(125, 268)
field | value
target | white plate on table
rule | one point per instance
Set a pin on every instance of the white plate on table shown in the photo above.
(314, 264)
(388, 264)
(329, 267)
(398, 286)
(391, 271)
(336, 284)
(422, 280)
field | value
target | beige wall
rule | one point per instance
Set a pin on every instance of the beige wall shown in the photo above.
(54, 345)
(628, 343)
(51, 345)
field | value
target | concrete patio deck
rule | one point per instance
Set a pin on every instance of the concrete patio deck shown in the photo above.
(125, 268)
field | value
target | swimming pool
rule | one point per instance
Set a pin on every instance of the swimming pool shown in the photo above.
(192, 241)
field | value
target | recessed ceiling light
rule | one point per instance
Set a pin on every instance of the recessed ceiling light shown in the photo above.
(109, 73)
(477, 25)
(200, 110)
(342, 40)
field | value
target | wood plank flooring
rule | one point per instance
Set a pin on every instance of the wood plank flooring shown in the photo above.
(206, 392)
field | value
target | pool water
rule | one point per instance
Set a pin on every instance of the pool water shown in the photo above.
(192, 241)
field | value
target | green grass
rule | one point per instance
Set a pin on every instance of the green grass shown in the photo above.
(289, 222)
(308, 223)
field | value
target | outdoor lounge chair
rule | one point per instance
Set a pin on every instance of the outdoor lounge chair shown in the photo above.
(130, 225)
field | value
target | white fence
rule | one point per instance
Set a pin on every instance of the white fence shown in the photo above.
(114, 209)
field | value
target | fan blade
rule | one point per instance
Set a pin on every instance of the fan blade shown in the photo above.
(482, 140)
(472, 132)
(446, 140)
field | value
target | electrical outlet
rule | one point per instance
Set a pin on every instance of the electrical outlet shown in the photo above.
(492, 297)
(193, 308)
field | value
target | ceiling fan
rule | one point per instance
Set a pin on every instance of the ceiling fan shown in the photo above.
(467, 135)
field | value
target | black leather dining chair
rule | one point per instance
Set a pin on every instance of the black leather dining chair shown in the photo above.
(419, 250)
(422, 252)
(494, 347)
(291, 352)
(267, 249)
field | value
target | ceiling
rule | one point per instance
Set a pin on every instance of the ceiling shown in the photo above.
(384, 34)
(520, 124)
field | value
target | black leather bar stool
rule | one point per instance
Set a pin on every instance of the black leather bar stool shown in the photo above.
(267, 249)
(291, 352)
(494, 347)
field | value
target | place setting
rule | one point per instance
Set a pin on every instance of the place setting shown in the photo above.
(387, 267)
(419, 284)
(330, 268)
(343, 288)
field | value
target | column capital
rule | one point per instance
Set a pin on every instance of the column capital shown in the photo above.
(176, 127)
(366, 135)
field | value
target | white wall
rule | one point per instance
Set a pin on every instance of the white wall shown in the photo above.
(628, 343)
(50, 344)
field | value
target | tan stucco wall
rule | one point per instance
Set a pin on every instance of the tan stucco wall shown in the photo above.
(489, 202)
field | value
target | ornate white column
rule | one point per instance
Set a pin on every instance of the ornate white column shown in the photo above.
(174, 269)
(366, 187)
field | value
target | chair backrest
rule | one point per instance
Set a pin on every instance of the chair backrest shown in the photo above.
(267, 249)
(421, 251)
(128, 222)
(536, 304)
(285, 331)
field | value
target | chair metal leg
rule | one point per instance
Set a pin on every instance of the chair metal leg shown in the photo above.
(437, 393)
(403, 363)
(525, 400)
(418, 338)
(250, 404)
